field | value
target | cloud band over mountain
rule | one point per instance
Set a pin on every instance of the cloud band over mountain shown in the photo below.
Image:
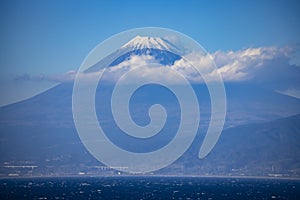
(270, 66)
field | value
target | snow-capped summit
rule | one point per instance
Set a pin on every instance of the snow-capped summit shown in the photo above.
(140, 42)
(161, 49)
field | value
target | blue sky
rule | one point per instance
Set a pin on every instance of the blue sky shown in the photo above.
(51, 37)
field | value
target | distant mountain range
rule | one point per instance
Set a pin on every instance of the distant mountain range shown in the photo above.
(261, 135)
(256, 149)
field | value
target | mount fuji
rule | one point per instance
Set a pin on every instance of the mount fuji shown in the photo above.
(160, 49)
(40, 131)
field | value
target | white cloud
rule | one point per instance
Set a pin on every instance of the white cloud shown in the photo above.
(264, 65)
(133, 62)
(250, 63)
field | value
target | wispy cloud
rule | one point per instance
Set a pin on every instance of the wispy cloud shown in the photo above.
(293, 92)
(57, 78)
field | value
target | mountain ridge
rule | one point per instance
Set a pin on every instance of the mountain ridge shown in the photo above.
(247, 150)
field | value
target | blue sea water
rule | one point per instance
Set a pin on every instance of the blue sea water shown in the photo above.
(148, 188)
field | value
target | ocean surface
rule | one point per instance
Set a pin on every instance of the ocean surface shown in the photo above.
(148, 188)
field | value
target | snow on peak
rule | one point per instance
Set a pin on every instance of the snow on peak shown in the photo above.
(140, 42)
